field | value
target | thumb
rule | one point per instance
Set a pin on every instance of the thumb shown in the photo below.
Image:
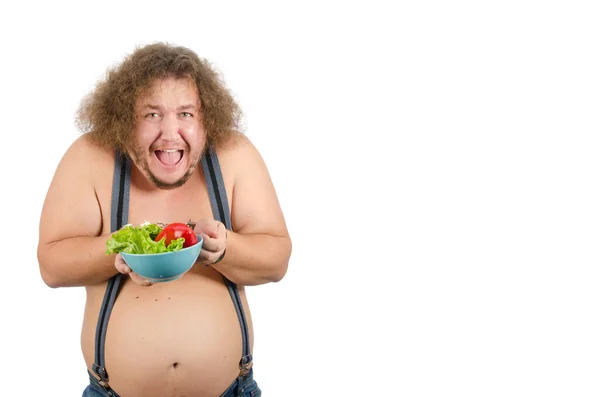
(121, 265)
(207, 228)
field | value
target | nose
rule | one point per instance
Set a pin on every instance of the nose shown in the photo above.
(169, 127)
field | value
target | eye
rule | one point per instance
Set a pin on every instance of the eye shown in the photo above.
(151, 115)
(187, 114)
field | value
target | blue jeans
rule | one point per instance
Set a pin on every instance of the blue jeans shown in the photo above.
(249, 388)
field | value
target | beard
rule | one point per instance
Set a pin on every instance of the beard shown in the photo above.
(140, 159)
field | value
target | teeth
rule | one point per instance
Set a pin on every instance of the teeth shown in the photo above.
(169, 150)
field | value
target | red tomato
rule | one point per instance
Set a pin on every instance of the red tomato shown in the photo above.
(173, 231)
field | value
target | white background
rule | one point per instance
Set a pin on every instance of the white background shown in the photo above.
(437, 163)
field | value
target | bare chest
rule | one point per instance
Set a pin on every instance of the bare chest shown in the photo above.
(169, 208)
(188, 202)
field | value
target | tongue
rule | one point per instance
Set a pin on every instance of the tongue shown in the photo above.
(169, 158)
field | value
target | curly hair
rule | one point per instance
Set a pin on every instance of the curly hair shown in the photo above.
(107, 113)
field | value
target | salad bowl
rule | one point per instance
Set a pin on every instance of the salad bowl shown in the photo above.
(164, 266)
(157, 252)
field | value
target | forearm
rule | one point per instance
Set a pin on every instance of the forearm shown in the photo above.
(75, 262)
(253, 259)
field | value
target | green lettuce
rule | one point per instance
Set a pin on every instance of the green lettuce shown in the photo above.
(140, 240)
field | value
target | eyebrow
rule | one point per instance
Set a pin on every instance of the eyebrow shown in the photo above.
(186, 107)
(182, 107)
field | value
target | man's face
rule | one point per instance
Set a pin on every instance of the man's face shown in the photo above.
(169, 137)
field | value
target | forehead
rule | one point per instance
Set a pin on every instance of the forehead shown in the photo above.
(169, 89)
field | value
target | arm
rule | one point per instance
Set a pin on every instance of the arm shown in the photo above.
(259, 247)
(71, 250)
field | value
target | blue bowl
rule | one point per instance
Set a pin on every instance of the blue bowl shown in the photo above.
(166, 266)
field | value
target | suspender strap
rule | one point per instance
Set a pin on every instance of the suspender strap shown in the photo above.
(119, 215)
(216, 187)
(220, 207)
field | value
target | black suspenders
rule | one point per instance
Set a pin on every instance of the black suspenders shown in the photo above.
(220, 207)
(119, 215)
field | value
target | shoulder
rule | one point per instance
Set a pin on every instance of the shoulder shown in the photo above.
(240, 160)
(237, 151)
(84, 150)
(235, 141)
(85, 160)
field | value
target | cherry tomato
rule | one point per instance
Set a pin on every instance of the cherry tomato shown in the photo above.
(176, 230)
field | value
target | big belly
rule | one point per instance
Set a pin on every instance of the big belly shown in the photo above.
(179, 338)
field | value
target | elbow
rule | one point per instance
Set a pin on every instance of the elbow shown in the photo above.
(45, 270)
(48, 278)
(279, 272)
(50, 282)
(282, 265)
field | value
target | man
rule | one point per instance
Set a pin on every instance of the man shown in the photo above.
(160, 145)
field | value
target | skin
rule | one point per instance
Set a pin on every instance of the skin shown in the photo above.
(183, 337)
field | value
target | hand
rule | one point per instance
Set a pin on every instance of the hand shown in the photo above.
(214, 235)
(122, 267)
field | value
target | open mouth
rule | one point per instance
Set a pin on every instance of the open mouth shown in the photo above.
(169, 157)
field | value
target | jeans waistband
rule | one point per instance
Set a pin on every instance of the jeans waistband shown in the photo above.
(110, 392)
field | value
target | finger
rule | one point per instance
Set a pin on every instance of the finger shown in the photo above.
(121, 265)
(139, 280)
(124, 269)
(210, 231)
(207, 227)
(212, 244)
(222, 230)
